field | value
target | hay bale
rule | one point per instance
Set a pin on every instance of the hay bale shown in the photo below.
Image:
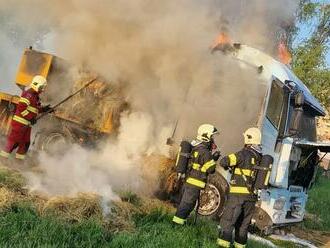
(149, 205)
(131, 197)
(121, 217)
(11, 179)
(75, 209)
(7, 198)
(155, 179)
(39, 200)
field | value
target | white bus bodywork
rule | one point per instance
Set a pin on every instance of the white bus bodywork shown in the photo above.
(283, 202)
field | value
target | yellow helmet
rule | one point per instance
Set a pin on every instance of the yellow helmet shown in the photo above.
(252, 136)
(38, 83)
(205, 132)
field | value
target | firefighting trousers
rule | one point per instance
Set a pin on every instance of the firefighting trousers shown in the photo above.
(237, 215)
(188, 202)
(19, 137)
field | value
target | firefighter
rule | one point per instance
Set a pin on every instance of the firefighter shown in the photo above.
(202, 163)
(27, 109)
(241, 200)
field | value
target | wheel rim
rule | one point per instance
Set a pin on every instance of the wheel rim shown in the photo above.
(210, 200)
(54, 142)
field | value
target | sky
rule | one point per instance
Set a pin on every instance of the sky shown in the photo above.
(305, 30)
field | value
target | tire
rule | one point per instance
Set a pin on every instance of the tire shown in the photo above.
(52, 141)
(213, 197)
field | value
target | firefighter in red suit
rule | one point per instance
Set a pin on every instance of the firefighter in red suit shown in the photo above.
(27, 109)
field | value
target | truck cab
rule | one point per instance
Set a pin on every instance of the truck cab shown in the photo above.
(287, 120)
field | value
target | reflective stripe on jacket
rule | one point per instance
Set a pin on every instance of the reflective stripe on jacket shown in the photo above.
(202, 164)
(28, 107)
(242, 163)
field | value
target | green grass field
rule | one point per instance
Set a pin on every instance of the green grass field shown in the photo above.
(22, 224)
(318, 205)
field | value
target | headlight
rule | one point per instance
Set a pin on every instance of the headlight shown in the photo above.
(279, 203)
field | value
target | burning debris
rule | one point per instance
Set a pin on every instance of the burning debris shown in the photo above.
(222, 42)
(283, 54)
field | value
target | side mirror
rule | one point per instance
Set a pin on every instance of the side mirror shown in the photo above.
(297, 113)
(299, 99)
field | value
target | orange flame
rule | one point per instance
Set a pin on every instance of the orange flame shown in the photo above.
(283, 53)
(221, 40)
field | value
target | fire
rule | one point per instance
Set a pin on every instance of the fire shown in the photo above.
(223, 39)
(283, 53)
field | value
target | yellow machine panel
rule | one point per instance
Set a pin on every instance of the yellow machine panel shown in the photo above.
(107, 102)
(7, 105)
(32, 63)
(8, 98)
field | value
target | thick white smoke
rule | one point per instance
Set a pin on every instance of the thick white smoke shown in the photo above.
(160, 50)
(116, 166)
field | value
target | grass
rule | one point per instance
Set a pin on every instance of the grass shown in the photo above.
(23, 227)
(27, 221)
(318, 205)
(156, 230)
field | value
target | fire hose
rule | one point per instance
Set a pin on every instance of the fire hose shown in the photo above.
(65, 99)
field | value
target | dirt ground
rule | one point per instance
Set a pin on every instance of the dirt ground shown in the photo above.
(319, 238)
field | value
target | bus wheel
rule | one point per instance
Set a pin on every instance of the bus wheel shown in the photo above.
(212, 198)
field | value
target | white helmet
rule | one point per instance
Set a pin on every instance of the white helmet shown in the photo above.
(205, 132)
(252, 136)
(38, 83)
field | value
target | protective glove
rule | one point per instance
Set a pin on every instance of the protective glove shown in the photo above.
(47, 108)
(216, 155)
(33, 121)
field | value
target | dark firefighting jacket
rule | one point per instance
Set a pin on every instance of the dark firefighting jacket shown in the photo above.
(242, 164)
(202, 164)
(28, 107)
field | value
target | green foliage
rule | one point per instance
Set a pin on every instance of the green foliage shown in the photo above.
(309, 56)
(318, 204)
(307, 10)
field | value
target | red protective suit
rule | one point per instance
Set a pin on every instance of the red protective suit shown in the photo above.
(19, 136)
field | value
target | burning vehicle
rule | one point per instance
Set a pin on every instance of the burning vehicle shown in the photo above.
(74, 121)
(286, 115)
(287, 118)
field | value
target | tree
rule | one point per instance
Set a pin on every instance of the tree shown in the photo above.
(309, 56)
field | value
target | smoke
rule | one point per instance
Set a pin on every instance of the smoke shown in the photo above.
(8, 66)
(115, 167)
(19, 30)
(160, 50)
